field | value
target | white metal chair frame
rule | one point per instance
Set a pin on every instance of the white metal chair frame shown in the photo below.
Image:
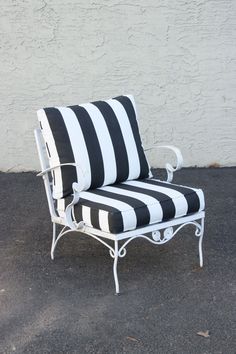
(160, 232)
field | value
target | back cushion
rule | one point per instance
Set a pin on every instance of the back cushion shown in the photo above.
(102, 137)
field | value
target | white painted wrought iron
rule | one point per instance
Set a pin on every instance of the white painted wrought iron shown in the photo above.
(160, 232)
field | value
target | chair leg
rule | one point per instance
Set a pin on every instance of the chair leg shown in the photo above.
(53, 240)
(200, 243)
(116, 255)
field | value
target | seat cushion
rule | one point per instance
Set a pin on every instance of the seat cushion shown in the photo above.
(101, 137)
(132, 204)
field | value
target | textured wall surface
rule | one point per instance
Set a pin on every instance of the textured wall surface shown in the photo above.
(178, 58)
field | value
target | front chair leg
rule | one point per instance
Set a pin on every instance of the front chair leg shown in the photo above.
(116, 255)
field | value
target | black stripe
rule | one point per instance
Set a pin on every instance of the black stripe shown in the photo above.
(63, 147)
(189, 194)
(92, 144)
(140, 208)
(167, 204)
(115, 220)
(68, 200)
(122, 163)
(55, 202)
(128, 106)
(48, 149)
(78, 212)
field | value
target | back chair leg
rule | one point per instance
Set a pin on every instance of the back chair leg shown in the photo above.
(53, 240)
(200, 243)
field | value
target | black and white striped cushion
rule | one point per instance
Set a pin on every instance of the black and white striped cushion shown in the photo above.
(131, 204)
(101, 137)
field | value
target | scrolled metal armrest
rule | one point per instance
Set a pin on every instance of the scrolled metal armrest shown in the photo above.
(76, 188)
(69, 212)
(169, 168)
(42, 173)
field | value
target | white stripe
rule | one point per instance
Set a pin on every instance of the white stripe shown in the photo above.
(103, 220)
(61, 207)
(54, 159)
(128, 213)
(181, 205)
(108, 155)
(78, 146)
(153, 205)
(196, 190)
(130, 144)
(86, 215)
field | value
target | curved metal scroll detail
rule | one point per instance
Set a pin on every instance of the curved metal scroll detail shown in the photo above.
(55, 239)
(121, 252)
(159, 238)
(169, 168)
(66, 229)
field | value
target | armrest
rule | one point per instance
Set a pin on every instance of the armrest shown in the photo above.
(169, 168)
(69, 212)
(76, 188)
(42, 173)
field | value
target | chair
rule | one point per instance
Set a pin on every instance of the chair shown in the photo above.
(98, 180)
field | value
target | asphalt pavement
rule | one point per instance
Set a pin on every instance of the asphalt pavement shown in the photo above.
(68, 305)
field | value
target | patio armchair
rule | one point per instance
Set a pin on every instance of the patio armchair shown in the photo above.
(98, 180)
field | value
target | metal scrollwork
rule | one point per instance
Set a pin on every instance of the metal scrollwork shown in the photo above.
(122, 252)
(112, 253)
(161, 237)
(167, 234)
(156, 235)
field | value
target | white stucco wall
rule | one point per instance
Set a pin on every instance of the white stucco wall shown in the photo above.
(178, 58)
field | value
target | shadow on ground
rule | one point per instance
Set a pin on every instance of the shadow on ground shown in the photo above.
(68, 305)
